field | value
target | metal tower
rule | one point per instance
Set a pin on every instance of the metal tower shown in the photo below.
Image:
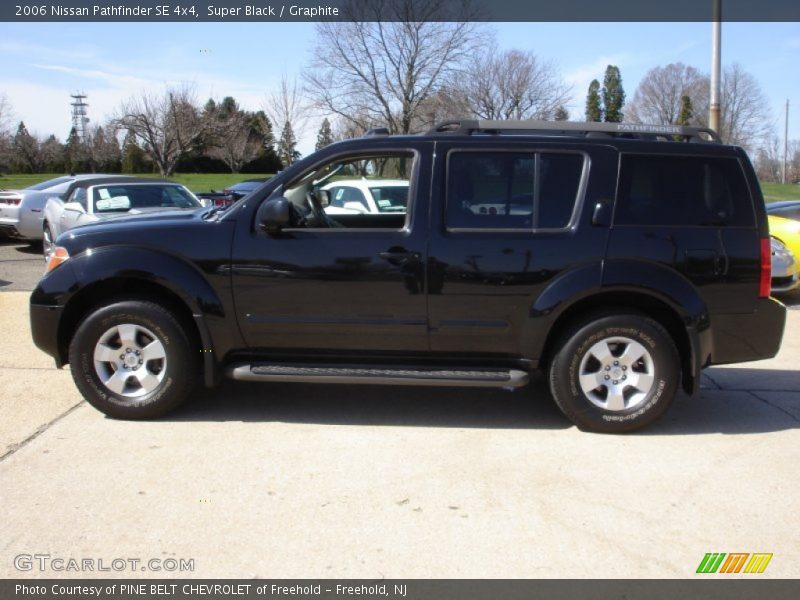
(79, 118)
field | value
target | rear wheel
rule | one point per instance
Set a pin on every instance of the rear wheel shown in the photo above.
(615, 372)
(133, 360)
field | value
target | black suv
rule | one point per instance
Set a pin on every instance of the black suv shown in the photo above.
(618, 259)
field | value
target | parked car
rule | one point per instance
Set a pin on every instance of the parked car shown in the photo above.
(639, 261)
(786, 232)
(230, 194)
(22, 211)
(788, 209)
(103, 198)
(785, 268)
(366, 196)
(241, 189)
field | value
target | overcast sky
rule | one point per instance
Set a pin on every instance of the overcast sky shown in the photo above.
(43, 63)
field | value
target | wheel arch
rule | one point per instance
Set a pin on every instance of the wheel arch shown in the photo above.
(163, 278)
(622, 300)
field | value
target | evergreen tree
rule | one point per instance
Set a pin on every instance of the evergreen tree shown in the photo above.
(687, 112)
(76, 160)
(27, 158)
(325, 135)
(613, 95)
(53, 156)
(593, 110)
(227, 107)
(287, 146)
(133, 157)
(267, 134)
(561, 114)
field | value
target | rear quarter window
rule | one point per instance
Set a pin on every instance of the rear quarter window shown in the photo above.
(683, 191)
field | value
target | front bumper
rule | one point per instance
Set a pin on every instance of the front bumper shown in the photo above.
(45, 322)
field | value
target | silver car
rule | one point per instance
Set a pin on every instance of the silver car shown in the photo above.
(99, 199)
(784, 268)
(21, 211)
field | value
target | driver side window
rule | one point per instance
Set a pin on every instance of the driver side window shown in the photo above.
(358, 192)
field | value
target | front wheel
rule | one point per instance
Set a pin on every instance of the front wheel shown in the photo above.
(615, 372)
(133, 360)
(48, 242)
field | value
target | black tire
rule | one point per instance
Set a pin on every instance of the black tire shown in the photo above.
(574, 352)
(47, 241)
(150, 321)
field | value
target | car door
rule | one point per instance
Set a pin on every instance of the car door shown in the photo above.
(357, 288)
(511, 217)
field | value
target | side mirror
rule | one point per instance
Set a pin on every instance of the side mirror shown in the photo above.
(274, 215)
(76, 206)
(324, 198)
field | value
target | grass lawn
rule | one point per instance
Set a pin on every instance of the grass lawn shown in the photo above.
(780, 191)
(197, 182)
(205, 182)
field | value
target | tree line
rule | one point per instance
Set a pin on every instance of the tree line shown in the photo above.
(413, 65)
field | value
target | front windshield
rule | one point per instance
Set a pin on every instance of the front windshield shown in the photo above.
(125, 197)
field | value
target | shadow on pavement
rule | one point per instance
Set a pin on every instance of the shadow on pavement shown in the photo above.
(26, 248)
(529, 407)
(712, 410)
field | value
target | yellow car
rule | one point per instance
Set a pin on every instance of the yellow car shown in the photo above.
(787, 233)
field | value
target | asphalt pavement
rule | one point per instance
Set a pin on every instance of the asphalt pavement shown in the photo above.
(253, 480)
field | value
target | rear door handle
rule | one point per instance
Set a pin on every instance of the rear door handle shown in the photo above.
(399, 256)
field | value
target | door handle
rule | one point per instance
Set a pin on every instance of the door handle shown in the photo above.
(601, 215)
(399, 256)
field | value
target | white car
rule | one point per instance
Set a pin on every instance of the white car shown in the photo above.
(103, 198)
(22, 211)
(366, 196)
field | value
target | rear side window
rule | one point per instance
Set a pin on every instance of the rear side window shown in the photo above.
(683, 191)
(509, 190)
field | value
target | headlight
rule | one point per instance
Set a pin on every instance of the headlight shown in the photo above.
(778, 248)
(58, 257)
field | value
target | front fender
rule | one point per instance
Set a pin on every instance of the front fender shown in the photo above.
(71, 286)
(172, 272)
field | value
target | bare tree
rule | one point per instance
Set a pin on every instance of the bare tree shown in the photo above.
(745, 117)
(236, 140)
(509, 85)
(235, 143)
(768, 159)
(26, 151)
(6, 118)
(394, 55)
(286, 105)
(6, 115)
(102, 148)
(659, 97)
(168, 125)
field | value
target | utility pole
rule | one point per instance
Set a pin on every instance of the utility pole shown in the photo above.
(716, 36)
(785, 142)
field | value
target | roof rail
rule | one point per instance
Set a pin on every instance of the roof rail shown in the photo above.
(573, 128)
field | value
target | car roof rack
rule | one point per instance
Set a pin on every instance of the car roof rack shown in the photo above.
(578, 129)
